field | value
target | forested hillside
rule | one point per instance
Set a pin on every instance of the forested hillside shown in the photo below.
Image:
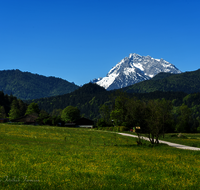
(188, 82)
(88, 98)
(25, 85)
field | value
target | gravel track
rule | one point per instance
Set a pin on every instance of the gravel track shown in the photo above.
(165, 142)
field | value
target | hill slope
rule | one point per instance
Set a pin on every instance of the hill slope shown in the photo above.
(188, 82)
(88, 98)
(25, 85)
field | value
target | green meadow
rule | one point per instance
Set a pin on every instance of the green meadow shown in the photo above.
(42, 157)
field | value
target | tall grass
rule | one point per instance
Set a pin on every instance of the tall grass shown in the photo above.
(36, 157)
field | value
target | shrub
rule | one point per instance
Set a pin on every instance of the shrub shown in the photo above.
(116, 128)
(16, 123)
(198, 129)
(123, 128)
(101, 123)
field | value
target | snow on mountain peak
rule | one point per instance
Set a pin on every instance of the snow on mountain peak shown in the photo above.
(133, 69)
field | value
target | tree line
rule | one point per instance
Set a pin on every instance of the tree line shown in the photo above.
(154, 117)
(13, 108)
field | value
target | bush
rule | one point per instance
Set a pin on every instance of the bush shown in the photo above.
(16, 123)
(181, 136)
(115, 129)
(123, 128)
(198, 129)
(101, 123)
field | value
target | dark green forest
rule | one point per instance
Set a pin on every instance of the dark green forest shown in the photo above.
(90, 97)
(25, 85)
(87, 99)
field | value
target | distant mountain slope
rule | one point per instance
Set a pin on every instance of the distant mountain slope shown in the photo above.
(188, 82)
(134, 69)
(25, 85)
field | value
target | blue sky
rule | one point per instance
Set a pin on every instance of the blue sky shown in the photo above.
(82, 40)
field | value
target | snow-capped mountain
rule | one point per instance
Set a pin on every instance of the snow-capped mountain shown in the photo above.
(134, 69)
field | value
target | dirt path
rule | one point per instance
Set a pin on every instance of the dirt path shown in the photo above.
(165, 142)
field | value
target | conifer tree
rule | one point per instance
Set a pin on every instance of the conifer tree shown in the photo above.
(14, 112)
(2, 112)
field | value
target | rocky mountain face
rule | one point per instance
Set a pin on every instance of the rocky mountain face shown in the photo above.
(134, 69)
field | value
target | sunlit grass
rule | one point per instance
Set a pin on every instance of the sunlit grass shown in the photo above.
(37, 157)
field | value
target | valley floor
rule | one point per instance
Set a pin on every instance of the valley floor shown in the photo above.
(45, 157)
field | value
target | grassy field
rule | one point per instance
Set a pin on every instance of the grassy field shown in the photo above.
(40, 157)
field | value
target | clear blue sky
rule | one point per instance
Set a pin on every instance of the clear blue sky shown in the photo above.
(82, 40)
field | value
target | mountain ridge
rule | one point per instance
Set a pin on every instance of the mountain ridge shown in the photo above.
(134, 69)
(26, 85)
